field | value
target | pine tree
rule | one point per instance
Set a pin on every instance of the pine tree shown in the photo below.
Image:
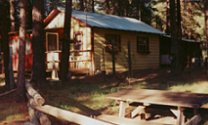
(21, 68)
(38, 68)
(64, 67)
(4, 30)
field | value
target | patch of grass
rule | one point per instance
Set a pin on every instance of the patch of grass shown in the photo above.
(196, 87)
(79, 96)
(13, 111)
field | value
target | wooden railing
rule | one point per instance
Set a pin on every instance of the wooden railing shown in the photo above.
(39, 112)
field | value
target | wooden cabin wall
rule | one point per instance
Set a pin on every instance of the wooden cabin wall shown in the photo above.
(147, 61)
(79, 59)
(103, 59)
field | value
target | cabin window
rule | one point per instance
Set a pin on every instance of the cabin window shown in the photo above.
(112, 39)
(143, 45)
(52, 41)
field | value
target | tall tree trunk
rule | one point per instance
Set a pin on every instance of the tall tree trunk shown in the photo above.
(167, 30)
(181, 51)
(21, 67)
(175, 28)
(108, 6)
(173, 32)
(113, 54)
(38, 68)
(129, 59)
(4, 30)
(12, 29)
(179, 19)
(120, 8)
(12, 18)
(64, 67)
(81, 4)
(206, 23)
(93, 6)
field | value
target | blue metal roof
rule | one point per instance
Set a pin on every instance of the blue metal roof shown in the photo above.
(114, 22)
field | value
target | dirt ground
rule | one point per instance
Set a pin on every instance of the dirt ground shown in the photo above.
(12, 112)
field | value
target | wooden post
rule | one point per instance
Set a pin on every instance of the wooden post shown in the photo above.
(129, 62)
(139, 110)
(54, 73)
(180, 116)
(113, 58)
(122, 109)
(11, 75)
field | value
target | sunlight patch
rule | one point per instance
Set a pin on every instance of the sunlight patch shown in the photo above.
(197, 87)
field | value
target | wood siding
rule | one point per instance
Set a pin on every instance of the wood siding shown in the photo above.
(103, 59)
(79, 59)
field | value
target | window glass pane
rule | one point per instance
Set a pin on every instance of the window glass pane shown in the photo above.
(52, 42)
(112, 39)
(142, 45)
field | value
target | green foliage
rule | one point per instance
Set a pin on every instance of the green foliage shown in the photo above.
(192, 19)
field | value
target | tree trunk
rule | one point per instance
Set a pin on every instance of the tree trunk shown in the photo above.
(108, 6)
(12, 29)
(181, 51)
(64, 67)
(93, 6)
(21, 68)
(175, 30)
(129, 59)
(167, 30)
(38, 68)
(179, 19)
(12, 18)
(4, 30)
(81, 4)
(206, 23)
(113, 58)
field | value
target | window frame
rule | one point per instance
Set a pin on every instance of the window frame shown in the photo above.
(108, 43)
(57, 41)
(143, 46)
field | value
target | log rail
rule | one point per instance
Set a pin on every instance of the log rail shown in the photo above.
(39, 112)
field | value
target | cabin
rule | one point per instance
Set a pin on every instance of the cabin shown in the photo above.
(94, 37)
(192, 51)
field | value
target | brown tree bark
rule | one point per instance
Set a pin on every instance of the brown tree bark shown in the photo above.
(4, 30)
(81, 4)
(93, 6)
(113, 55)
(64, 67)
(167, 30)
(38, 68)
(12, 12)
(206, 23)
(21, 68)
(175, 31)
(108, 11)
(181, 50)
(179, 19)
